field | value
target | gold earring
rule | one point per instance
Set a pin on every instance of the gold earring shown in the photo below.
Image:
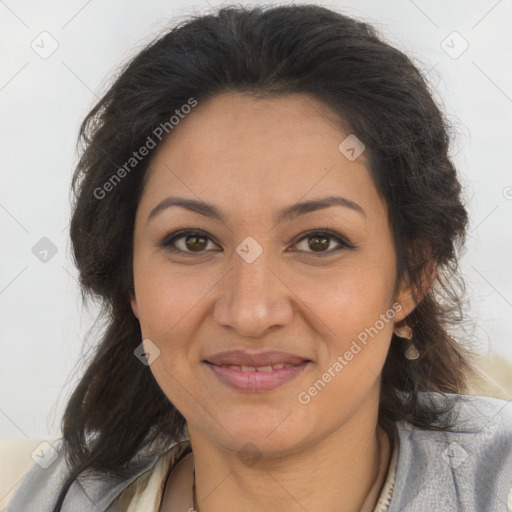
(404, 331)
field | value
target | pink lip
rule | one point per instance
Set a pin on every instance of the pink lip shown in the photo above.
(256, 381)
(243, 358)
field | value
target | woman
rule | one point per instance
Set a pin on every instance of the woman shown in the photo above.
(266, 207)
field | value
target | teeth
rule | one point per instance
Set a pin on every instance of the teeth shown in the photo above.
(268, 368)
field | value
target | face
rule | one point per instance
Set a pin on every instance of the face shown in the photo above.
(313, 283)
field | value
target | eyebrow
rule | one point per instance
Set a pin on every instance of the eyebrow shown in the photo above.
(288, 213)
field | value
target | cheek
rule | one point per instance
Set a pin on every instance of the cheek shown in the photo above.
(167, 319)
(171, 308)
(360, 320)
(358, 302)
(355, 305)
(167, 297)
(347, 299)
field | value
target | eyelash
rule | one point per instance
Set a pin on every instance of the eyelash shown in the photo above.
(168, 241)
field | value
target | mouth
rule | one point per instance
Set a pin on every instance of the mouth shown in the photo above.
(268, 368)
(256, 372)
(266, 359)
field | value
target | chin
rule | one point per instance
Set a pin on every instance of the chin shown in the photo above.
(266, 436)
(262, 446)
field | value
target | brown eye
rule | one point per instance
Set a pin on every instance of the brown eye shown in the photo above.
(186, 242)
(318, 243)
(195, 242)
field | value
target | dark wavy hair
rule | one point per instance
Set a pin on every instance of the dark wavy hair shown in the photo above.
(117, 408)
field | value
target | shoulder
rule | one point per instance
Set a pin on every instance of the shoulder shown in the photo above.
(484, 418)
(468, 467)
(481, 428)
(40, 481)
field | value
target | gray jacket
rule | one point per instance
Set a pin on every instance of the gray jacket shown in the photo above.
(468, 470)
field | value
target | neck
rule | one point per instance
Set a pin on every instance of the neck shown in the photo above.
(344, 471)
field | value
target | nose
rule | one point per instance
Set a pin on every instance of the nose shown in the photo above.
(253, 298)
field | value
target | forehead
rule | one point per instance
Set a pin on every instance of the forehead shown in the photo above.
(259, 151)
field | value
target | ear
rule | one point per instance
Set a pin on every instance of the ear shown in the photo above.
(135, 307)
(409, 297)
